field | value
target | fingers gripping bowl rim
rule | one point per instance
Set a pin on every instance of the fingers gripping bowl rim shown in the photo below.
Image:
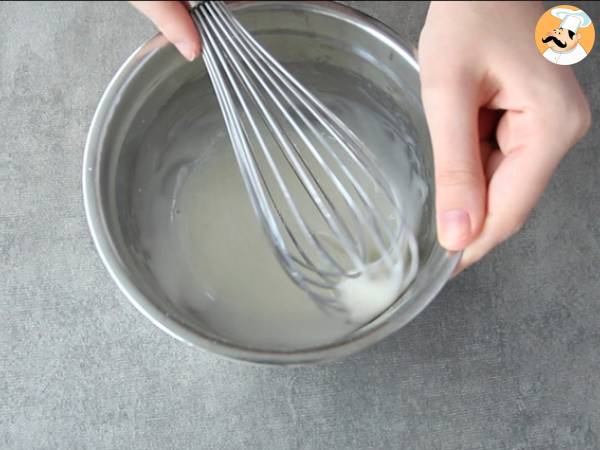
(385, 58)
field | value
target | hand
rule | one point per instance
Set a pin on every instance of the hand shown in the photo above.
(175, 23)
(501, 118)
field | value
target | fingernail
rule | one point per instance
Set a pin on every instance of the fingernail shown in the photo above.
(455, 229)
(187, 49)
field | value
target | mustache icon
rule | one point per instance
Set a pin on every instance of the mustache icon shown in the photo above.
(555, 40)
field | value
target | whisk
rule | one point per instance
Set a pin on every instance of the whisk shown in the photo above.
(326, 207)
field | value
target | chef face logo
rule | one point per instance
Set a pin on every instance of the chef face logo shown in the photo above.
(564, 35)
(561, 40)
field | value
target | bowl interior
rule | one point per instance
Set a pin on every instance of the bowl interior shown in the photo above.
(332, 40)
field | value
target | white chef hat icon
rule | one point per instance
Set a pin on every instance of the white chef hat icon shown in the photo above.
(571, 20)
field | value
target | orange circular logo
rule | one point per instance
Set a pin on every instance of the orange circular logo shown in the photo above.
(564, 35)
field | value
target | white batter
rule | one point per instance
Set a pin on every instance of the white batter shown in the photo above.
(210, 255)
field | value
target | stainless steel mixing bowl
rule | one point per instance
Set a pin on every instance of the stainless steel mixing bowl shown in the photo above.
(294, 32)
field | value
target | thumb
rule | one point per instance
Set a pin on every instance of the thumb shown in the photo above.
(451, 109)
(175, 22)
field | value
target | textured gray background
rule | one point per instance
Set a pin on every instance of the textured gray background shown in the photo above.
(508, 356)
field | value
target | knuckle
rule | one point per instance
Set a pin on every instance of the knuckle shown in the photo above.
(569, 113)
(459, 175)
(582, 116)
(578, 116)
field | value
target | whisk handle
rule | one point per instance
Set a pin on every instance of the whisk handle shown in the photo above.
(194, 3)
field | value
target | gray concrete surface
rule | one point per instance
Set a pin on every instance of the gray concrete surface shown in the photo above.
(508, 356)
